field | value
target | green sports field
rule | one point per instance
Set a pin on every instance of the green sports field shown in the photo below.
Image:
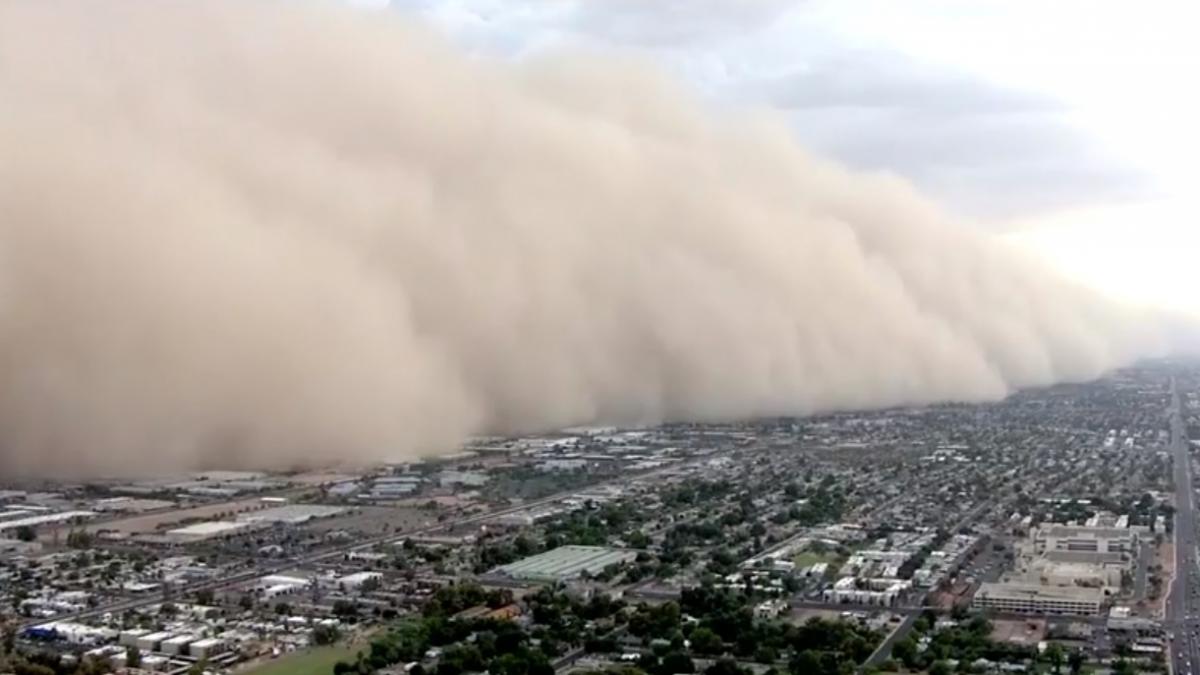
(317, 661)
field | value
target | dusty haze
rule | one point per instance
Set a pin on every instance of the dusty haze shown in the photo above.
(264, 234)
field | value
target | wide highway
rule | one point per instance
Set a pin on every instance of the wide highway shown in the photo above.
(1183, 600)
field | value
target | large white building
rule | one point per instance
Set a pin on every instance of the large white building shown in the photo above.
(208, 530)
(566, 563)
(1089, 539)
(1038, 599)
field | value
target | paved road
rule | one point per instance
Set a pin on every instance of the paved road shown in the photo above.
(884, 650)
(1182, 603)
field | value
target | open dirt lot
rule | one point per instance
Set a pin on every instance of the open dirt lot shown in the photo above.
(1023, 632)
(376, 519)
(153, 522)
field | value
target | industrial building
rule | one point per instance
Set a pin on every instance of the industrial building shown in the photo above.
(565, 563)
(295, 514)
(130, 505)
(46, 519)
(275, 585)
(352, 582)
(205, 531)
(393, 487)
(1038, 599)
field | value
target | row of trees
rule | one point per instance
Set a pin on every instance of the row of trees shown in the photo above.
(967, 641)
(707, 622)
(725, 626)
(497, 646)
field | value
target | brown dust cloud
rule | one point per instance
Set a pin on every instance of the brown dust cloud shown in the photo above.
(270, 234)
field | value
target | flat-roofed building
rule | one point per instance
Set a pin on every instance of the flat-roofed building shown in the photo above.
(1037, 599)
(46, 519)
(9, 496)
(1086, 539)
(293, 514)
(14, 514)
(150, 642)
(1118, 559)
(130, 505)
(205, 531)
(208, 647)
(178, 644)
(1078, 574)
(355, 581)
(129, 638)
(565, 562)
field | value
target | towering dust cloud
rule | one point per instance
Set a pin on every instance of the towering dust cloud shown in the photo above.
(263, 234)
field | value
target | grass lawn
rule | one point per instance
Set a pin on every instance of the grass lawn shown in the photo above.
(808, 558)
(318, 661)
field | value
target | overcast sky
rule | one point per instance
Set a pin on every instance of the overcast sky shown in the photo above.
(1069, 125)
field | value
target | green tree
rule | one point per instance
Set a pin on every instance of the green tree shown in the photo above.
(705, 641)
(804, 662)
(1075, 661)
(26, 533)
(524, 546)
(1055, 656)
(345, 609)
(26, 668)
(725, 667)
(905, 651)
(79, 539)
(677, 662)
(133, 656)
(766, 654)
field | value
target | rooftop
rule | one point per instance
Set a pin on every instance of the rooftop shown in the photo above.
(566, 562)
(206, 529)
(33, 521)
(1039, 592)
(1085, 557)
(293, 514)
(1063, 531)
